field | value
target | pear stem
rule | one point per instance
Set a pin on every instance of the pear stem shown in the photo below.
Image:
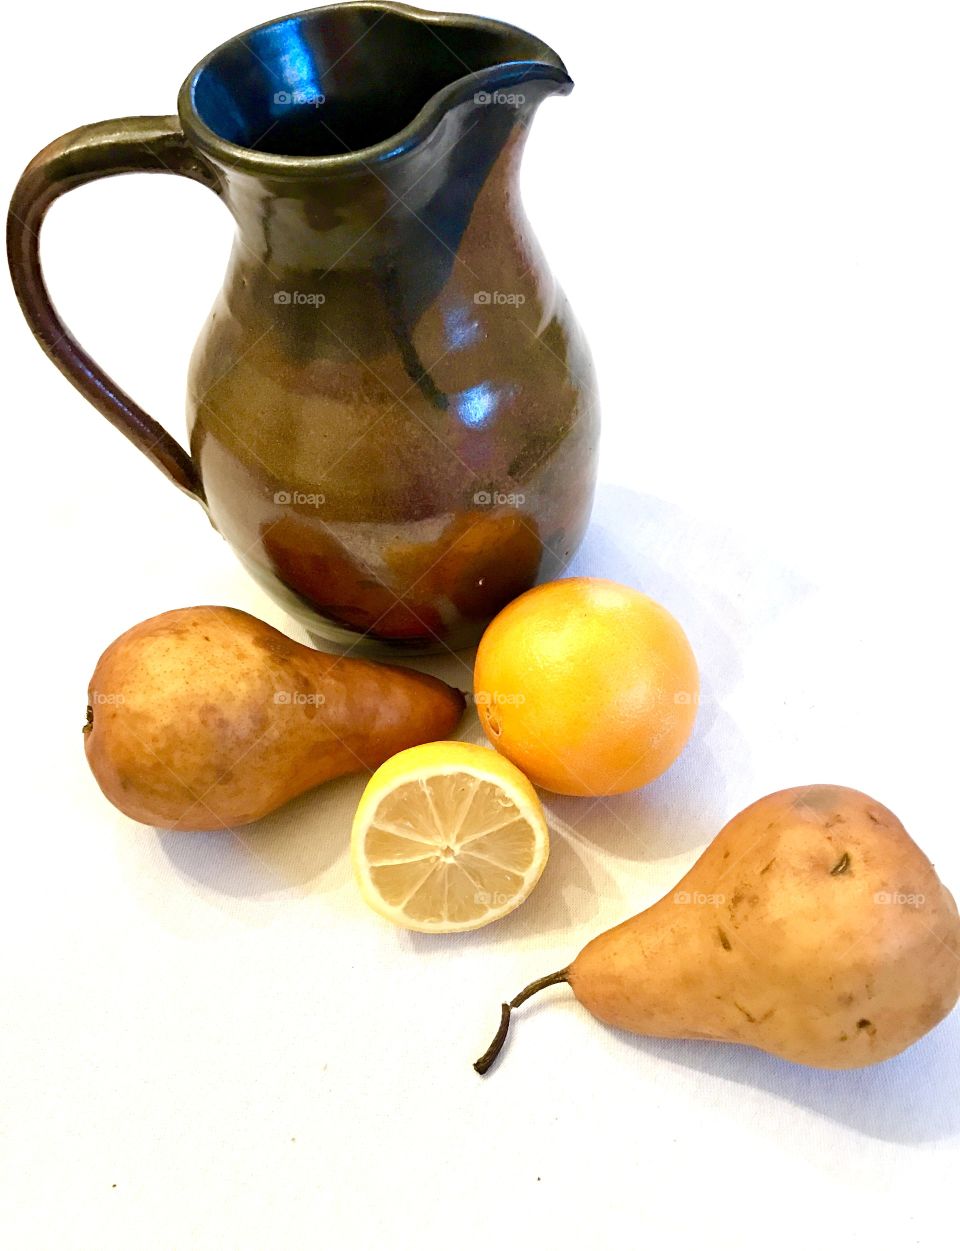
(500, 1037)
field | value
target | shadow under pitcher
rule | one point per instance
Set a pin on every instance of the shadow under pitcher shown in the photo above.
(392, 411)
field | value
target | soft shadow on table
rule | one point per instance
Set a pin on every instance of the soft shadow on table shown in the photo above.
(288, 850)
(723, 593)
(564, 897)
(635, 539)
(656, 547)
(665, 819)
(598, 850)
(720, 594)
(903, 1100)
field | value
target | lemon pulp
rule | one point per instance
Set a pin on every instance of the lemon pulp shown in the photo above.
(443, 848)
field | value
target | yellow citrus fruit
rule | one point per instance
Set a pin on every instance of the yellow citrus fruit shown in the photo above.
(447, 837)
(588, 686)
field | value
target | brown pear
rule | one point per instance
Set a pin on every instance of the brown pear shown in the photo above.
(206, 718)
(812, 927)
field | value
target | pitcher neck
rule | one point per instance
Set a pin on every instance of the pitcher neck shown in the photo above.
(349, 216)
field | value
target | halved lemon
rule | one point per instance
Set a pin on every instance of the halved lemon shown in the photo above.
(447, 837)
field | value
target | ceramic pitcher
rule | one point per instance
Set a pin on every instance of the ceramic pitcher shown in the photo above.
(391, 410)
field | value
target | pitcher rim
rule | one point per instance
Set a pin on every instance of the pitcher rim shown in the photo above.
(547, 67)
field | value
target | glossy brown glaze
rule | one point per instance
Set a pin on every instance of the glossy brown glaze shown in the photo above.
(123, 146)
(392, 412)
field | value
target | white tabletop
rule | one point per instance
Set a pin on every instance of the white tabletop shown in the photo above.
(208, 1041)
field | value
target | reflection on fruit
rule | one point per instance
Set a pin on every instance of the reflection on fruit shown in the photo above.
(482, 561)
(310, 561)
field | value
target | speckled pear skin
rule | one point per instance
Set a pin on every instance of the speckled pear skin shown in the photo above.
(206, 718)
(812, 927)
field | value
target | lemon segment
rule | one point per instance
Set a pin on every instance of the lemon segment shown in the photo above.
(448, 837)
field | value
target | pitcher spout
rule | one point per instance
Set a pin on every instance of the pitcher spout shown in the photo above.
(338, 89)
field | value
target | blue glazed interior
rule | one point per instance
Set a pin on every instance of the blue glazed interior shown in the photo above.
(343, 78)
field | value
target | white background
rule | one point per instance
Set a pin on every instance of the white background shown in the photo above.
(209, 1042)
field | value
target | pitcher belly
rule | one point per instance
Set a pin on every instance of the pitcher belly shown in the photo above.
(387, 506)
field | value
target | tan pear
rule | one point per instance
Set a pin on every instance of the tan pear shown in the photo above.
(206, 718)
(812, 927)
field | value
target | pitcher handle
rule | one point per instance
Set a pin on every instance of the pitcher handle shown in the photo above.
(121, 146)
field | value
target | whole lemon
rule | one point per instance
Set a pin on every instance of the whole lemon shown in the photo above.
(588, 686)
